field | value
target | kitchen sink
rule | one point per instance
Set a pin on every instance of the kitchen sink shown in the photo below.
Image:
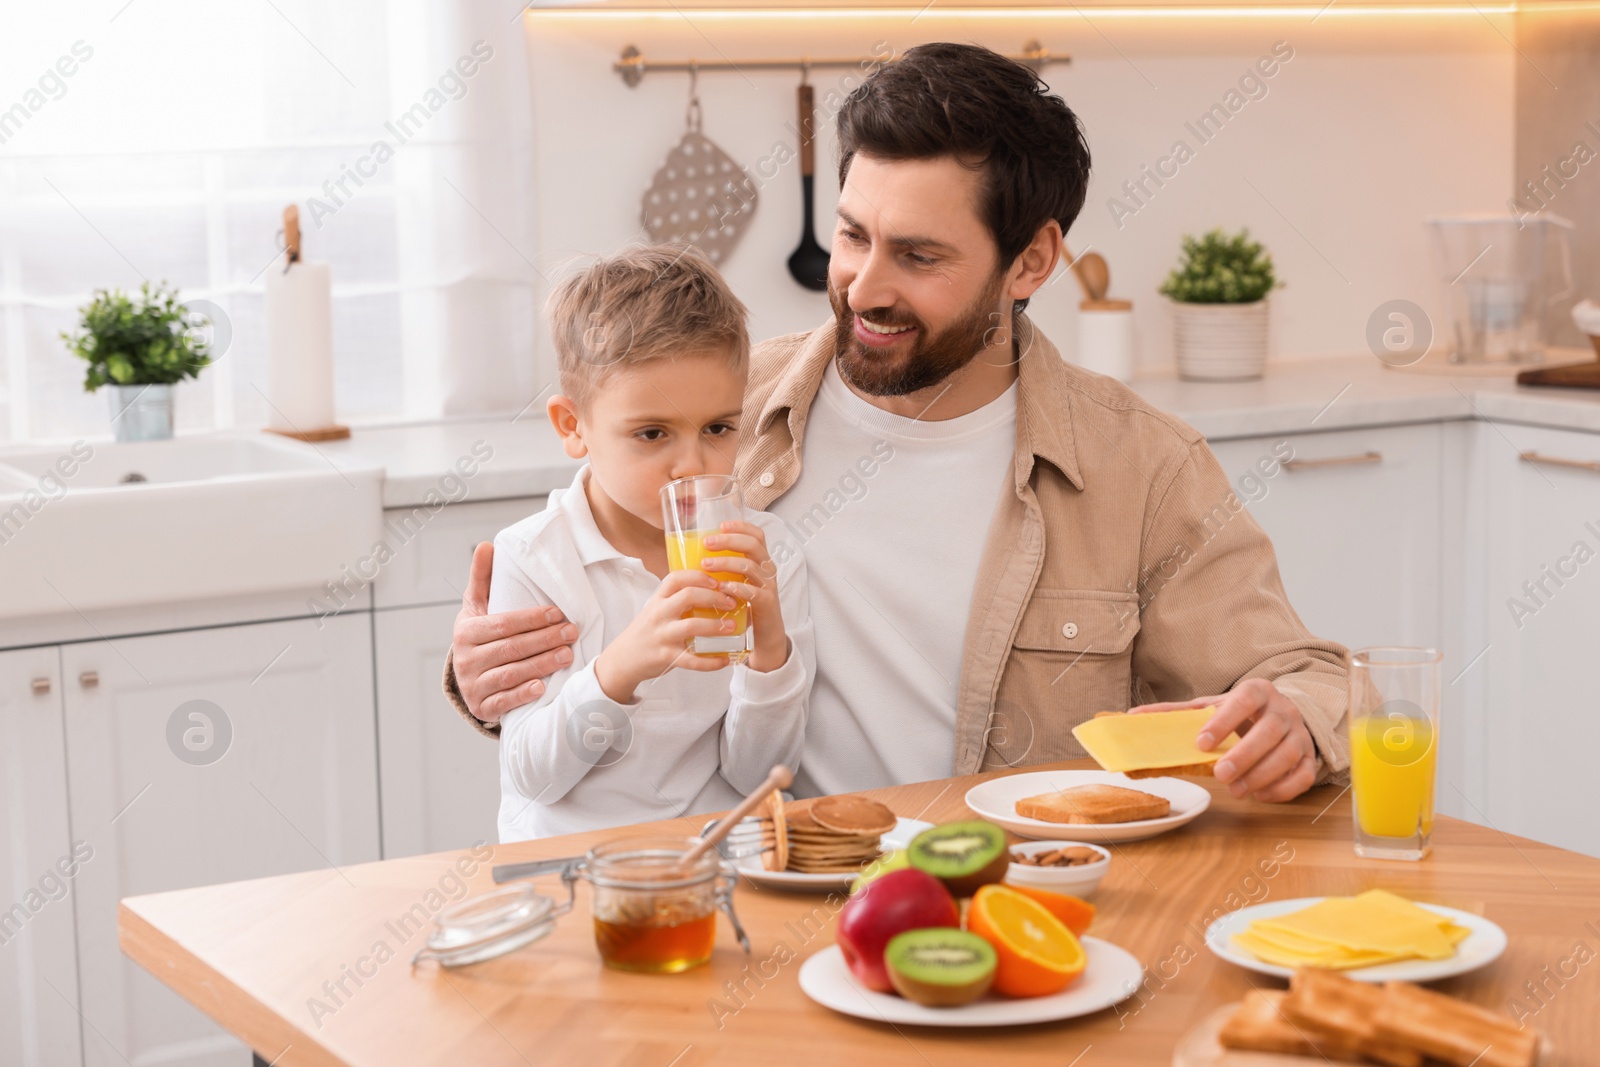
(103, 525)
(182, 459)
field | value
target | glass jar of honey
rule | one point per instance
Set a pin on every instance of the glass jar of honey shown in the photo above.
(653, 913)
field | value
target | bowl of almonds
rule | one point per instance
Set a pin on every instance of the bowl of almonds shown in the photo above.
(1074, 867)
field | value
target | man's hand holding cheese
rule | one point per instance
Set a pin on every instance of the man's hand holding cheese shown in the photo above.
(1274, 760)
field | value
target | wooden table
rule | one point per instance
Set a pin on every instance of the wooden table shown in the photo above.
(255, 956)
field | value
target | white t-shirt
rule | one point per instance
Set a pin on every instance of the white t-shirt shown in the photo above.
(690, 742)
(892, 514)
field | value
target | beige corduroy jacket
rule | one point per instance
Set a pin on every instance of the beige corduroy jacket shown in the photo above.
(1121, 569)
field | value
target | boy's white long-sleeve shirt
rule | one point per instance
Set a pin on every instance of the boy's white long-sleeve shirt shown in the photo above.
(690, 742)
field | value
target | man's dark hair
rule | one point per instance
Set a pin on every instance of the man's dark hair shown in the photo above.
(990, 113)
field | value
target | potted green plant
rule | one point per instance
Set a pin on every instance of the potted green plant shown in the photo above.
(1219, 307)
(140, 346)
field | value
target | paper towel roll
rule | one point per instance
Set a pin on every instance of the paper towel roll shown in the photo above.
(1105, 338)
(300, 347)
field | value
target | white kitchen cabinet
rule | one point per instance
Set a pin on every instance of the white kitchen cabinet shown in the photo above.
(441, 778)
(38, 868)
(284, 713)
(1355, 518)
(432, 550)
(1541, 717)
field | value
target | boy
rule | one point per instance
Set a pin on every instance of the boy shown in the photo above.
(652, 349)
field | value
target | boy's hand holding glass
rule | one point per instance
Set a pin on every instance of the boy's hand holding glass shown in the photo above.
(756, 584)
(658, 638)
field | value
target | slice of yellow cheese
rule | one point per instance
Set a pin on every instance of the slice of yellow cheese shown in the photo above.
(1361, 925)
(1150, 741)
(1344, 932)
(1330, 958)
(1383, 898)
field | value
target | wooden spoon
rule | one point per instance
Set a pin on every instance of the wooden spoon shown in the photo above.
(778, 778)
(1095, 274)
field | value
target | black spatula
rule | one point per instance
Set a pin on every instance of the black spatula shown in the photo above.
(809, 263)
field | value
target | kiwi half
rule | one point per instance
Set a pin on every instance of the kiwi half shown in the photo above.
(939, 966)
(965, 856)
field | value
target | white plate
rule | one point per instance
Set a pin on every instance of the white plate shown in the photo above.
(996, 800)
(750, 866)
(1111, 976)
(1481, 947)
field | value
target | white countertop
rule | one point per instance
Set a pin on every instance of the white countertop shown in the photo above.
(1294, 397)
(525, 458)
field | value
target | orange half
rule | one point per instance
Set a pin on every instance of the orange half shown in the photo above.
(1038, 954)
(1076, 912)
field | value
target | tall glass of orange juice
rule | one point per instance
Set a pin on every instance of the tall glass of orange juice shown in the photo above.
(1394, 749)
(692, 510)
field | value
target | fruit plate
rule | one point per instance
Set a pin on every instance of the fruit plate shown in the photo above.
(750, 866)
(996, 800)
(1481, 947)
(1111, 975)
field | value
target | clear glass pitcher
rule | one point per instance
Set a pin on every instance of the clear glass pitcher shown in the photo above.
(1501, 273)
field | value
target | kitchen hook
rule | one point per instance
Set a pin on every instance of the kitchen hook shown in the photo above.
(691, 115)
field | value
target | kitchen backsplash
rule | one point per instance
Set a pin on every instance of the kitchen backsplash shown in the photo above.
(1557, 163)
(1331, 139)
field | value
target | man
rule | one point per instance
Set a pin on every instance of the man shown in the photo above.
(999, 544)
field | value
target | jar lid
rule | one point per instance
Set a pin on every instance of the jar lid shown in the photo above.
(490, 925)
(650, 863)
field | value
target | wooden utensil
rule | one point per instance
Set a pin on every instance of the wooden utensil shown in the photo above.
(1572, 375)
(809, 263)
(778, 778)
(1095, 274)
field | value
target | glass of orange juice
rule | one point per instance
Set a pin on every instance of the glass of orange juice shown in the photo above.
(1394, 749)
(694, 509)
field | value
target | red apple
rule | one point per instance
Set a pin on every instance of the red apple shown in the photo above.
(902, 900)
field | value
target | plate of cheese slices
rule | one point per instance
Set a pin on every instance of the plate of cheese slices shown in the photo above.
(1375, 936)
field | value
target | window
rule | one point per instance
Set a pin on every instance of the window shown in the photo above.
(162, 141)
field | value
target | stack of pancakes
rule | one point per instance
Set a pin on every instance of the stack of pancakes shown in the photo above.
(828, 835)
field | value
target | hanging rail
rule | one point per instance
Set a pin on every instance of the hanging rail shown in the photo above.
(633, 65)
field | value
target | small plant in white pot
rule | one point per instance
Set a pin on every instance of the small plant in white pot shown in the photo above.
(141, 346)
(1219, 307)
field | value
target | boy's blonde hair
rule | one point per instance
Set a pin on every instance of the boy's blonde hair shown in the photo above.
(647, 302)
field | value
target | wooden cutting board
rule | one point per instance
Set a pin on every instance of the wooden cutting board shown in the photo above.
(1567, 375)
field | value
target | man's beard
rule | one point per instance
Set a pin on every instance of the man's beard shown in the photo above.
(928, 361)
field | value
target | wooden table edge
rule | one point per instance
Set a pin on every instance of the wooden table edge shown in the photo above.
(269, 1035)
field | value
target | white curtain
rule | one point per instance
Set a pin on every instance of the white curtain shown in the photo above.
(161, 140)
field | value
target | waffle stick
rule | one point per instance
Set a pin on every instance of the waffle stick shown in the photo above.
(1399, 1025)
(1458, 1033)
(1327, 1003)
(1260, 1025)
